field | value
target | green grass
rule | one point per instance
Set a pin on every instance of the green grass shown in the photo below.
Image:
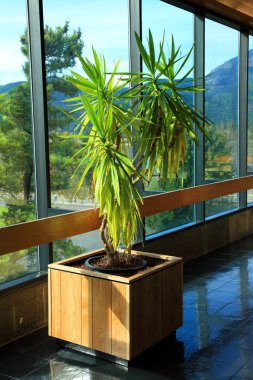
(2, 208)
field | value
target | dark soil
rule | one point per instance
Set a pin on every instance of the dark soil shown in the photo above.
(151, 262)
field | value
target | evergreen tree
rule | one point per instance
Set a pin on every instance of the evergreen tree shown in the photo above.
(16, 160)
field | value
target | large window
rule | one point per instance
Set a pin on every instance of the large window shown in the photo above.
(73, 29)
(161, 17)
(250, 114)
(221, 107)
(16, 152)
(99, 24)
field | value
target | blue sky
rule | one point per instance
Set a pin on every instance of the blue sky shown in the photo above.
(105, 25)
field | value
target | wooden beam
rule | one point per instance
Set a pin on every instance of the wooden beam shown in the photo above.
(185, 197)
(36, 232)
(240, 11)
(33, 233)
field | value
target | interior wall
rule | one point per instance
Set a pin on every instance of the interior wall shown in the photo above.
(23, 309)
(200, 239)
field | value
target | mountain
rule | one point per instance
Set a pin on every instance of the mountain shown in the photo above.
(7, 87)
(221, 97)
(222, 92)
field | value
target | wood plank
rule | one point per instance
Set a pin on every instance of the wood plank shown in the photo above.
(184, 197)
(105, 276)
(36, 232)
(172, 299)
(58, 227)
(240, 11)
(102, 315)
(71, 307)
(86, 311)
(145, 313)
(120, 320)
(49, 303)
(61, 266)
(55, 308)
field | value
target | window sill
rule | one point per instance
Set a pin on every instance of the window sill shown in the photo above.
(24, 280)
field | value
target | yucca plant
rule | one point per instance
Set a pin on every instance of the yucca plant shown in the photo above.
(108, 124)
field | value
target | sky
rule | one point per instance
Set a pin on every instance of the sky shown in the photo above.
(104, 24)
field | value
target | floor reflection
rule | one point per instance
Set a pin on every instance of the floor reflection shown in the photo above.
(215, 342)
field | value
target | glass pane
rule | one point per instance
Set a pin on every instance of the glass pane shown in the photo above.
(169, 220)
(17, 264)
(221, 205)
(250, 197)
(250, 116)
(250, 105)
(103, 25)
(221, 106)
(161, 17)
(16, 152)
(63, 249)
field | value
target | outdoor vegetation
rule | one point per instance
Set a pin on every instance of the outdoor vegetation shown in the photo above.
(16, 152)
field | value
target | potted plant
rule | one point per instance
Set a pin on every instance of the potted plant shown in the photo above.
(107, 126)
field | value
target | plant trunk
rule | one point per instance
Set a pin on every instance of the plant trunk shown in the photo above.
(107, 243)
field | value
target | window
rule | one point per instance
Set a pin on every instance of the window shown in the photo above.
(161, 17)
(103, 25)
(221, 107)
(250, 114)
(17, 199)
(99, 24)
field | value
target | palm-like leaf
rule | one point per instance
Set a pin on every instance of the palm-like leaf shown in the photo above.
(106, 109)
(167, 117)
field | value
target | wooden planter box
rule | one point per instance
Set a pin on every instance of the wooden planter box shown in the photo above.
(115, 315)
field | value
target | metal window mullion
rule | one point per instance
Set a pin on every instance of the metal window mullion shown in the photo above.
(35, 31)
(243, 112)
(135, 66)
(199, 56)
(134, 26)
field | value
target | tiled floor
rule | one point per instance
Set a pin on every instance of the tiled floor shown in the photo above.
(216, 341)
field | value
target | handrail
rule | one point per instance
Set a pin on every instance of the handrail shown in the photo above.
(29, 234)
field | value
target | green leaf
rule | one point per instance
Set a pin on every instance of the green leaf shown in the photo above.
(143, 51)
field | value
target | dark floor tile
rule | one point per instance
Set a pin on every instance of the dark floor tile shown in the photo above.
(21, 364)
(93, 376)
(48, 349)
(186, 328)
(243, 374)
(215, 342)
(54, 371)
(141, 374)
(8, 351)
(190, 297)
(229, 354)
(194, 346)
(235, 286)
(221, 297)
(31, 341)
(4, 377)
(208, 369)
(60, 371)
(213, 283)
(246, 244)
(167, 360)
(213, 330)
(236, 311)
(88, 363)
